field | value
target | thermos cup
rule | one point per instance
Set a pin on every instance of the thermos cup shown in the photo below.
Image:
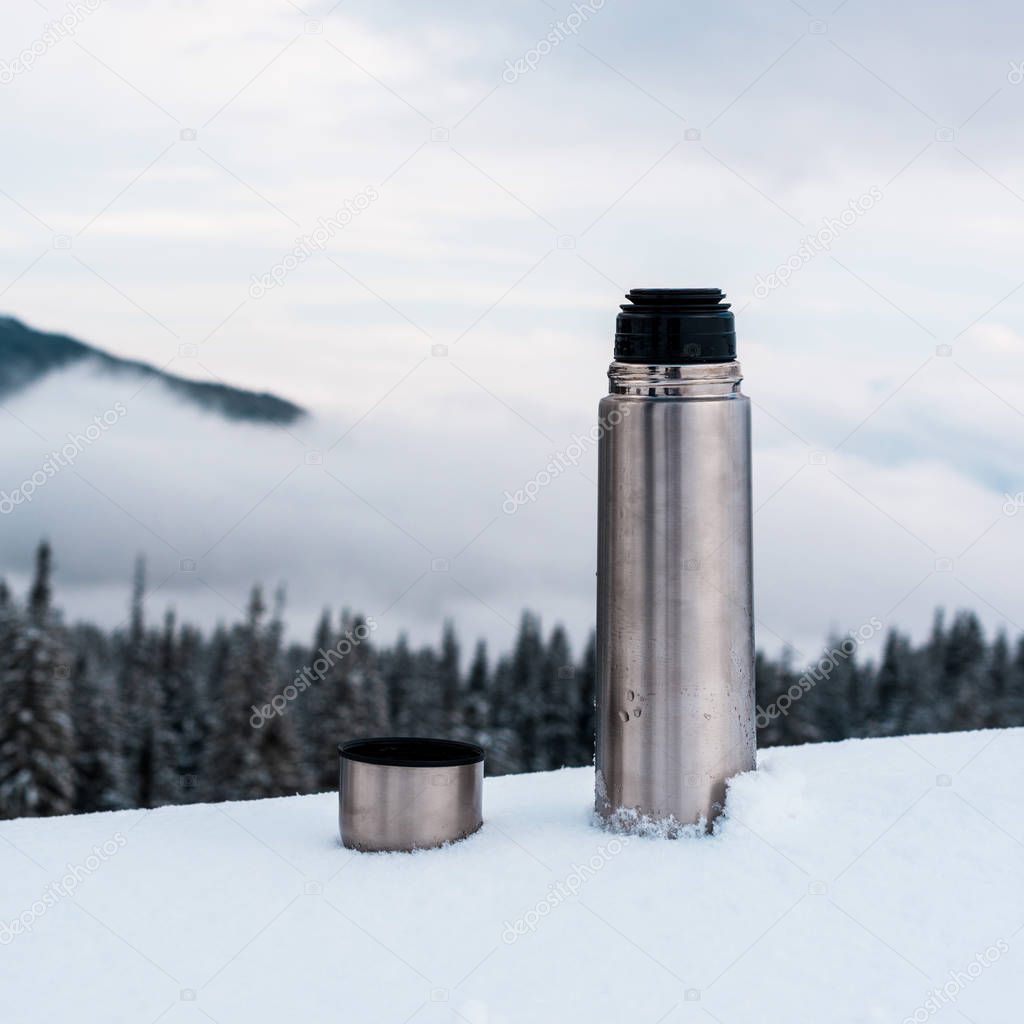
(403, 793)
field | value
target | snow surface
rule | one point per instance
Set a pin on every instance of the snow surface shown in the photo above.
(848, 882)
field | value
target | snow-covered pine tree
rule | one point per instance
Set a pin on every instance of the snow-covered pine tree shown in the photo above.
(527, 693)
(195, 712)
(314, 711)
(253, 754)
(964, 674)
(216, 664)
(365, 677)
(449, 680)
(37, 746)
(767, 688)
(140, 698)
(10, 622)
(999, 675)
(230, 767)
(893, 703)
(1012, 705)
(169, 724)
(924, 704)
(772, 679)
(477, 714)
(586, 691)
(182, 717)
(505, 753)
(424, 694)
(397, 667)
(831, 706)
(558, 702)
(100, 783)
(351, 693)
(313, 703)
(281, 768)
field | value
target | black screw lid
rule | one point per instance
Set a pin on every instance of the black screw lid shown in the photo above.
(675, 325)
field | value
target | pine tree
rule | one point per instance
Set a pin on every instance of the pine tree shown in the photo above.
(36, 730)
(100, 783)
(527, 692)
(217, 663)
(367, 699)
(182, 717)
(1012, 705)
(193, 713)
(477, 706)
(893, 703)
(425, 693)
(926, 697)
(999, 679)
(282, 770)
(558, 703)
(449, 680)
(775, 716)
(232, 770)
(169, 723)
(140, 700)
(255, 752)
(316, 716)
(586, 703)
(831, 706)
(505, 751)
(352, 684)
(964, 672)
(396, 670)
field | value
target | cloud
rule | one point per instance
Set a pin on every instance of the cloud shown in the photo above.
(507, 239)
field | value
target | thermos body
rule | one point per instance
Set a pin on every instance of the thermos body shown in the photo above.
(675, 639)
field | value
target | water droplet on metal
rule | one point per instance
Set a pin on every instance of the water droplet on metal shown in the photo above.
(636, 712)
(624, 715)
(630, 695)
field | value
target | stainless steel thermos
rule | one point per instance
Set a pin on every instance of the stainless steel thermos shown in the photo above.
(675, 643)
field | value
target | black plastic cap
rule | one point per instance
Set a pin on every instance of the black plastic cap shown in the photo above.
(666, 326)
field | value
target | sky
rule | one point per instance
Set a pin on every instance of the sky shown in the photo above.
(418, 222)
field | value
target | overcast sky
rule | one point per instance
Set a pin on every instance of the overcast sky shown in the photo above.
(454, 332)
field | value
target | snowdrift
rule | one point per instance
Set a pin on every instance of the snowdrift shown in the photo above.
(873, 880)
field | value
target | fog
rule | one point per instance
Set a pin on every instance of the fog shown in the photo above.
(410, 520)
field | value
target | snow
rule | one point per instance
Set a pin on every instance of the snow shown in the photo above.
(848, 882)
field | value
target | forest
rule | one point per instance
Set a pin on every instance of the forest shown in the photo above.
(159, 712)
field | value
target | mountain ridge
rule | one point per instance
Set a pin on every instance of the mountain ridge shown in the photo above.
(27, 355)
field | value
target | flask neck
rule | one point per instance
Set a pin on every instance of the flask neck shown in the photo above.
(683, 380)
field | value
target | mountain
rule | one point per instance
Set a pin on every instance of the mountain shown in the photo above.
(28, 355)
